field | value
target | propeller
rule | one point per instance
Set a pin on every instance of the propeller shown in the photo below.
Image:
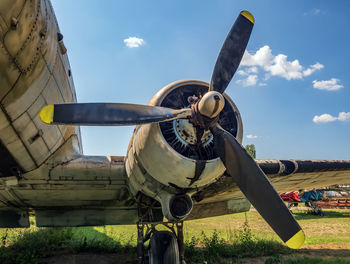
(109, 114)
(204, 115)
(232, 52)
(257, 188)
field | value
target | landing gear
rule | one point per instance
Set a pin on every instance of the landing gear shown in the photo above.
(165, 247)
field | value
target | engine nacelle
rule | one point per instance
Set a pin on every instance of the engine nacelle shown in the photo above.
(162, 160)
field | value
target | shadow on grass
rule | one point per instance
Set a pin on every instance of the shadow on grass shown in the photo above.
(308, 214)
(61, 245)
(32, 245)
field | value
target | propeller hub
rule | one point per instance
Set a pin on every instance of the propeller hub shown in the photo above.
(186, 133)
(211, 104)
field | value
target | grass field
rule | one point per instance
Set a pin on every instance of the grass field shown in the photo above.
(237, 238)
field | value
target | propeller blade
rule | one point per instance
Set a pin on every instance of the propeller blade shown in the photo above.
(232, 52)
(257, 188)
(109, 114)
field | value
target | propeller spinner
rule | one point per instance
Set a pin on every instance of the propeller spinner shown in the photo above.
(239, 165)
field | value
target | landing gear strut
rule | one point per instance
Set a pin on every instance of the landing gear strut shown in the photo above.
(165, 247)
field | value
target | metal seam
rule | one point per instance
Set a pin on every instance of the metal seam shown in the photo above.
(18, 200)
(40, 93)
(17, 134)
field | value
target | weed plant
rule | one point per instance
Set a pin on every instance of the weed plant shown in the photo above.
(242, 243)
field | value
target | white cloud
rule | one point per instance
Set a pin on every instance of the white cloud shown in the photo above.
(313, 68)
(134, 42)
(261, 58)
(251, 136)
(314, 12)
(253, 69)
(272, 65)
(284, 68)
(344, 116)
(242, 73)
(246, 72)
(326, 118)
(251, 80)
(330, 85)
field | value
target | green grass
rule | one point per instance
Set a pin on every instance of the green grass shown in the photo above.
(228, 238)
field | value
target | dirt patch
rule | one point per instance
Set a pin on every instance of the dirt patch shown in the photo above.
(87, 258)
(324, 251)
(341, 250)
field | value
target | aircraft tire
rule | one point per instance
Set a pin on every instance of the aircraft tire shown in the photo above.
(163, 248)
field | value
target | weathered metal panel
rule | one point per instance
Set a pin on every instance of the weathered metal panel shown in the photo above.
(32, 72)
(85, 217)
(50, 134)
(60, 74)
(66, 195)
(8, 165)
(35, 108)
(69, 179)
(9, 72)
(32, 138)
(8, 10)
(16, 38)
(16, 147)
(12, 219)
(51, 93)
(49, 49)
(26, 90)
(92, 168)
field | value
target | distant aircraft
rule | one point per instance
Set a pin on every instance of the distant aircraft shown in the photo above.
(184, 160)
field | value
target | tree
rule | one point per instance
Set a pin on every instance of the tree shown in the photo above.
(251, 150)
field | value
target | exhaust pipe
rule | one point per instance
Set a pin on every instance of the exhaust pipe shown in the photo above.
(175, 207)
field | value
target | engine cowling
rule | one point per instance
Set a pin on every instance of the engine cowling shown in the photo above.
(163, 161)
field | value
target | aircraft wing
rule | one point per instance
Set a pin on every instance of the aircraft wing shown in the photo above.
(69, 189)
(224, 197)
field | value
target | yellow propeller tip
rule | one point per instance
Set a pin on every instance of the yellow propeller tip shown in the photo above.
(248, 16)
(46, 114)
(297, 240)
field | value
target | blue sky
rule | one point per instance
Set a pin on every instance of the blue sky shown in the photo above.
(293, 87)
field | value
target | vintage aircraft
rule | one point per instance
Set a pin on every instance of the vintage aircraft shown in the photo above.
(184, 159)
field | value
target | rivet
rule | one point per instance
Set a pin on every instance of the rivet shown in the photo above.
(42, 34)
(14, 23)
